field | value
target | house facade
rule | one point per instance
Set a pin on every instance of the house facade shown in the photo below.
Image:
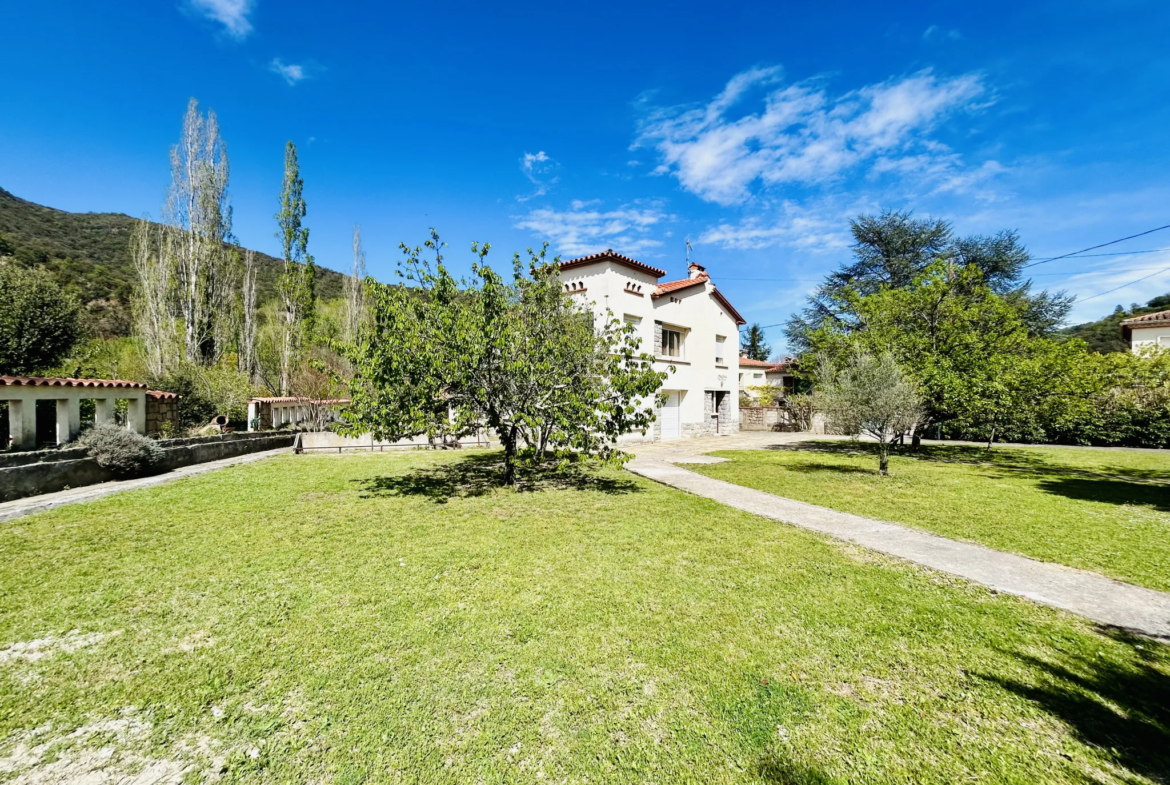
(687, 324)
(1151, 329)
(760, 373)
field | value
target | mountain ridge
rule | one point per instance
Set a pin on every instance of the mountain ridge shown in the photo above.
(90, 253)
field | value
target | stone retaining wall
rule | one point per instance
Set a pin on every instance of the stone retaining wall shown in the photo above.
(48, 476)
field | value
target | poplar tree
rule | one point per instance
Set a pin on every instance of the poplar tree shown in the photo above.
(295, 286)
(200, 217)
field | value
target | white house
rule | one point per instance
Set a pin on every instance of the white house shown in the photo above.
(1151, 329)
(687, 324)
(758, 373)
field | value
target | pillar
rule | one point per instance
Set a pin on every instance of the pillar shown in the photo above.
(103, 410)
(22, 423)
(68, 419)
(136, 413)
(253, 416)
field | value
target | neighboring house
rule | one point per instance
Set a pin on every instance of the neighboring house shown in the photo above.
(758, 373)
(687, 324)
(1151, 329)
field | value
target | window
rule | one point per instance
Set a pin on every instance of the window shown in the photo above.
(631, 319)
(720, 357)
(671, 343)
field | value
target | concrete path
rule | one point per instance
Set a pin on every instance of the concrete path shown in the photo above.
(47, 501)
(1087, 594)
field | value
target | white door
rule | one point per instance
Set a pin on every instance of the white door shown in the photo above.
(671, 421)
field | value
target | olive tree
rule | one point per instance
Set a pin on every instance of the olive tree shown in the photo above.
(869, 395)
(442, 357)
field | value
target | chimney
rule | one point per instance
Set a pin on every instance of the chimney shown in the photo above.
(695, 270)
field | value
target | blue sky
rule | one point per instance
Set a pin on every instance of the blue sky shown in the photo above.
(755, 130)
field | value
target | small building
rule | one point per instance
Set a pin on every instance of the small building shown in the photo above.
(761, 373)
(1151, 329)
(292, 411)
(65, 395)
(686, 324)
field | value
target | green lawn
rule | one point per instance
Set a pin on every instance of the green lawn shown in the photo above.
(1101, 510)
(394, 619)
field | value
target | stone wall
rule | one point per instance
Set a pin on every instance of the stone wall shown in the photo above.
(765, 418)
(69, 471)
(162, 415)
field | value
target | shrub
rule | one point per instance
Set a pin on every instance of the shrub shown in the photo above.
(120, 450)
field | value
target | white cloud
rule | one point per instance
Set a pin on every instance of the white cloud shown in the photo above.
(290, 72)
(936, 33)
(540, 170)
(822, 228)
(583, 229)
(802, 135)
(232, 14)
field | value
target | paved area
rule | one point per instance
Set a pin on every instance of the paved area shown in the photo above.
(21, 507)
(1087, 594)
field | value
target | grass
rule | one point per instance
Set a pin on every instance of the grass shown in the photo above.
(398, 619)
(1102, 510)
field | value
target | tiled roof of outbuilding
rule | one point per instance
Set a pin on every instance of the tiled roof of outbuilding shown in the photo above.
(51, 381)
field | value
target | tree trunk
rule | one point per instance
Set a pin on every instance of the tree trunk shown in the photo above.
(916, 441)
(883, 459)
(991, 438)
(509, 442)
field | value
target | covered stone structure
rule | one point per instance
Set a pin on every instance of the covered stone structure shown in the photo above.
(22, 393)
(293, 411)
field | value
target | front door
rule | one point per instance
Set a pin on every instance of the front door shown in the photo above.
(671, 419)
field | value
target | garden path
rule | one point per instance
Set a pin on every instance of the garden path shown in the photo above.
(1087, 594)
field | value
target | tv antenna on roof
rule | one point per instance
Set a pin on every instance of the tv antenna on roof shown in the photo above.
(688, 241)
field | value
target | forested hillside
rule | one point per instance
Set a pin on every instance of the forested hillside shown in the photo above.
(1104, 335)
(90, 252)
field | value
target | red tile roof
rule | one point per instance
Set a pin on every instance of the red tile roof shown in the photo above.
(161, 395)
(49, 381)
(609, 255)
(297, 399)
(767, 365)
(1158, 317)
(674, 286)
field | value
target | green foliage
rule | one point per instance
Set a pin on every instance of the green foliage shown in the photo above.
(869, 395)
(39, 323)
(120, 450)
(90, 252)
(520, 358)
(754, 344)
(983, 376)
(296, 284)
(1104, 335)
(893, 249)
(207, 391)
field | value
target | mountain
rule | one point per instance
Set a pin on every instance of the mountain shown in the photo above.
(1104, 335)
(90, 252)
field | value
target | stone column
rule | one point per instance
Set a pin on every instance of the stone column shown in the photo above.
(103, 410)
(253, 416)
(68, 419)
(22, 423)
(136, 413)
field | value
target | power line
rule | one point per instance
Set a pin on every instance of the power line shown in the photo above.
(1131, 283)
(1095, 247)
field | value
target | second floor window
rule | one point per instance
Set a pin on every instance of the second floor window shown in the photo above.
(671, 343)
(719, 355)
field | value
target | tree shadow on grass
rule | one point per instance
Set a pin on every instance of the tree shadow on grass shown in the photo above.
(1111, 484)
(780, 770)
(1122, 708)
(474, 476)
(1110, 491)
